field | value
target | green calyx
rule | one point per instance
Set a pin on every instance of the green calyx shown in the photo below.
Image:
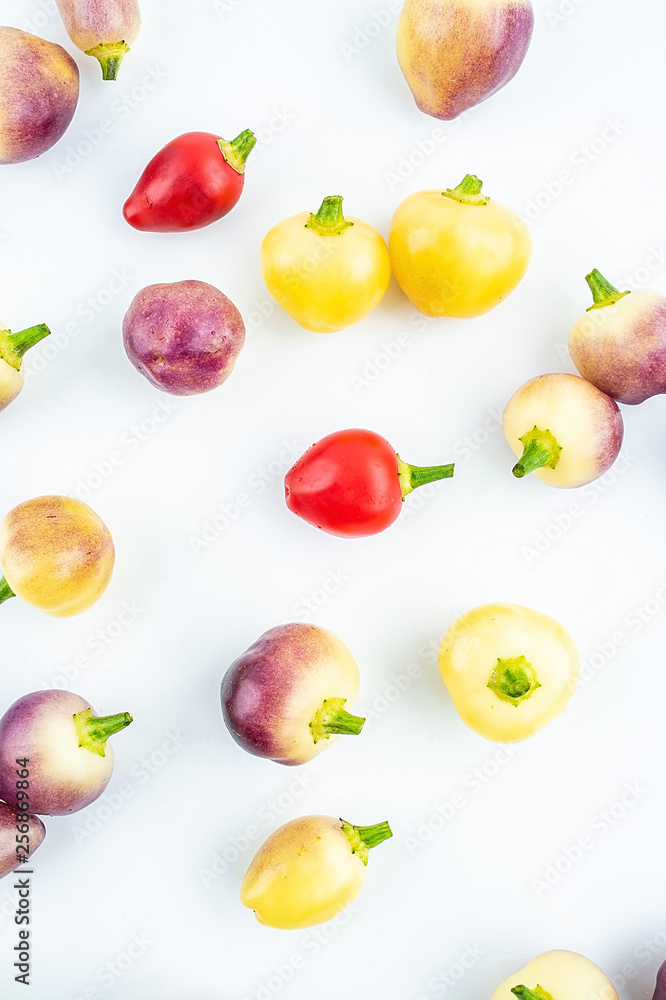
(329, 220)
(14, 345)
(538, 993)
(110, 55)
(5, 591)
(541, 451)
(413, 476)
(93, 731)
(363, 838)
(513, 680)
(468, 191)
(332, 719)
(603, 293)
(236, 151)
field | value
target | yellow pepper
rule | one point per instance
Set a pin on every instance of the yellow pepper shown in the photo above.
(457, 253)
(309, 870)
(557, 975)
(326, 271)
(509, 670)
(56, 554)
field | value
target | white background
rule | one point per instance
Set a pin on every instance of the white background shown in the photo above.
(321, 87)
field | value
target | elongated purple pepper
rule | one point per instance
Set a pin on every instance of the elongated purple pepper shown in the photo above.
(660, 985)
(65, 743)
(104, 29)
(284, 697)
(20, 836)
(456, 53)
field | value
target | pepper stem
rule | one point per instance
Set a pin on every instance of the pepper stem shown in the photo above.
(110, 56)
(329, 220)
(332, 718)
(14, 345)
(513, 680)
(5, 591)
(237, 150)
(603, 293)
(541, 451)
(413, 476)
(93, 731)
(468, 192)
(362, 838)
(538, 993)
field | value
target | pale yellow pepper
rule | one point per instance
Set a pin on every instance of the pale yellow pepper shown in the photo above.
(457, 253)
(309, 870)
(557, 975)
(57, 554)
(326, 271)
(509, 670)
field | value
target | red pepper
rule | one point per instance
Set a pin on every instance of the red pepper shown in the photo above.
(352, 483)
(195, 180)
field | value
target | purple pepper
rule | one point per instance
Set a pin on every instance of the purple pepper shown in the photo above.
(19, 837)
(660, 985)
(456, 53)
(184, 337)
(284, 697)
(68, 759)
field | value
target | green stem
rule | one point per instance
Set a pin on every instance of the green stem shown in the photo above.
(5, 591)
(363, 838)
(468, 192)
(538, 993)
(14, 345)
(603, 293)
(237, 150)
(332, 718)
(93, 731)
(110, 56)
(513, 680)
(541, 451)
(413, 476)
(329, 220)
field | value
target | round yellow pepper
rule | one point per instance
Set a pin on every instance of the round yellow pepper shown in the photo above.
(326, 271)
(457, 253)
(557, 975)
(509, 670)
(309, 870)
(56, 554)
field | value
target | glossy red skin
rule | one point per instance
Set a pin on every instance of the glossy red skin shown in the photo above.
(187, 185)
(346, 484)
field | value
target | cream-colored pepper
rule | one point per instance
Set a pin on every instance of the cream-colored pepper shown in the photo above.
(558, 975)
